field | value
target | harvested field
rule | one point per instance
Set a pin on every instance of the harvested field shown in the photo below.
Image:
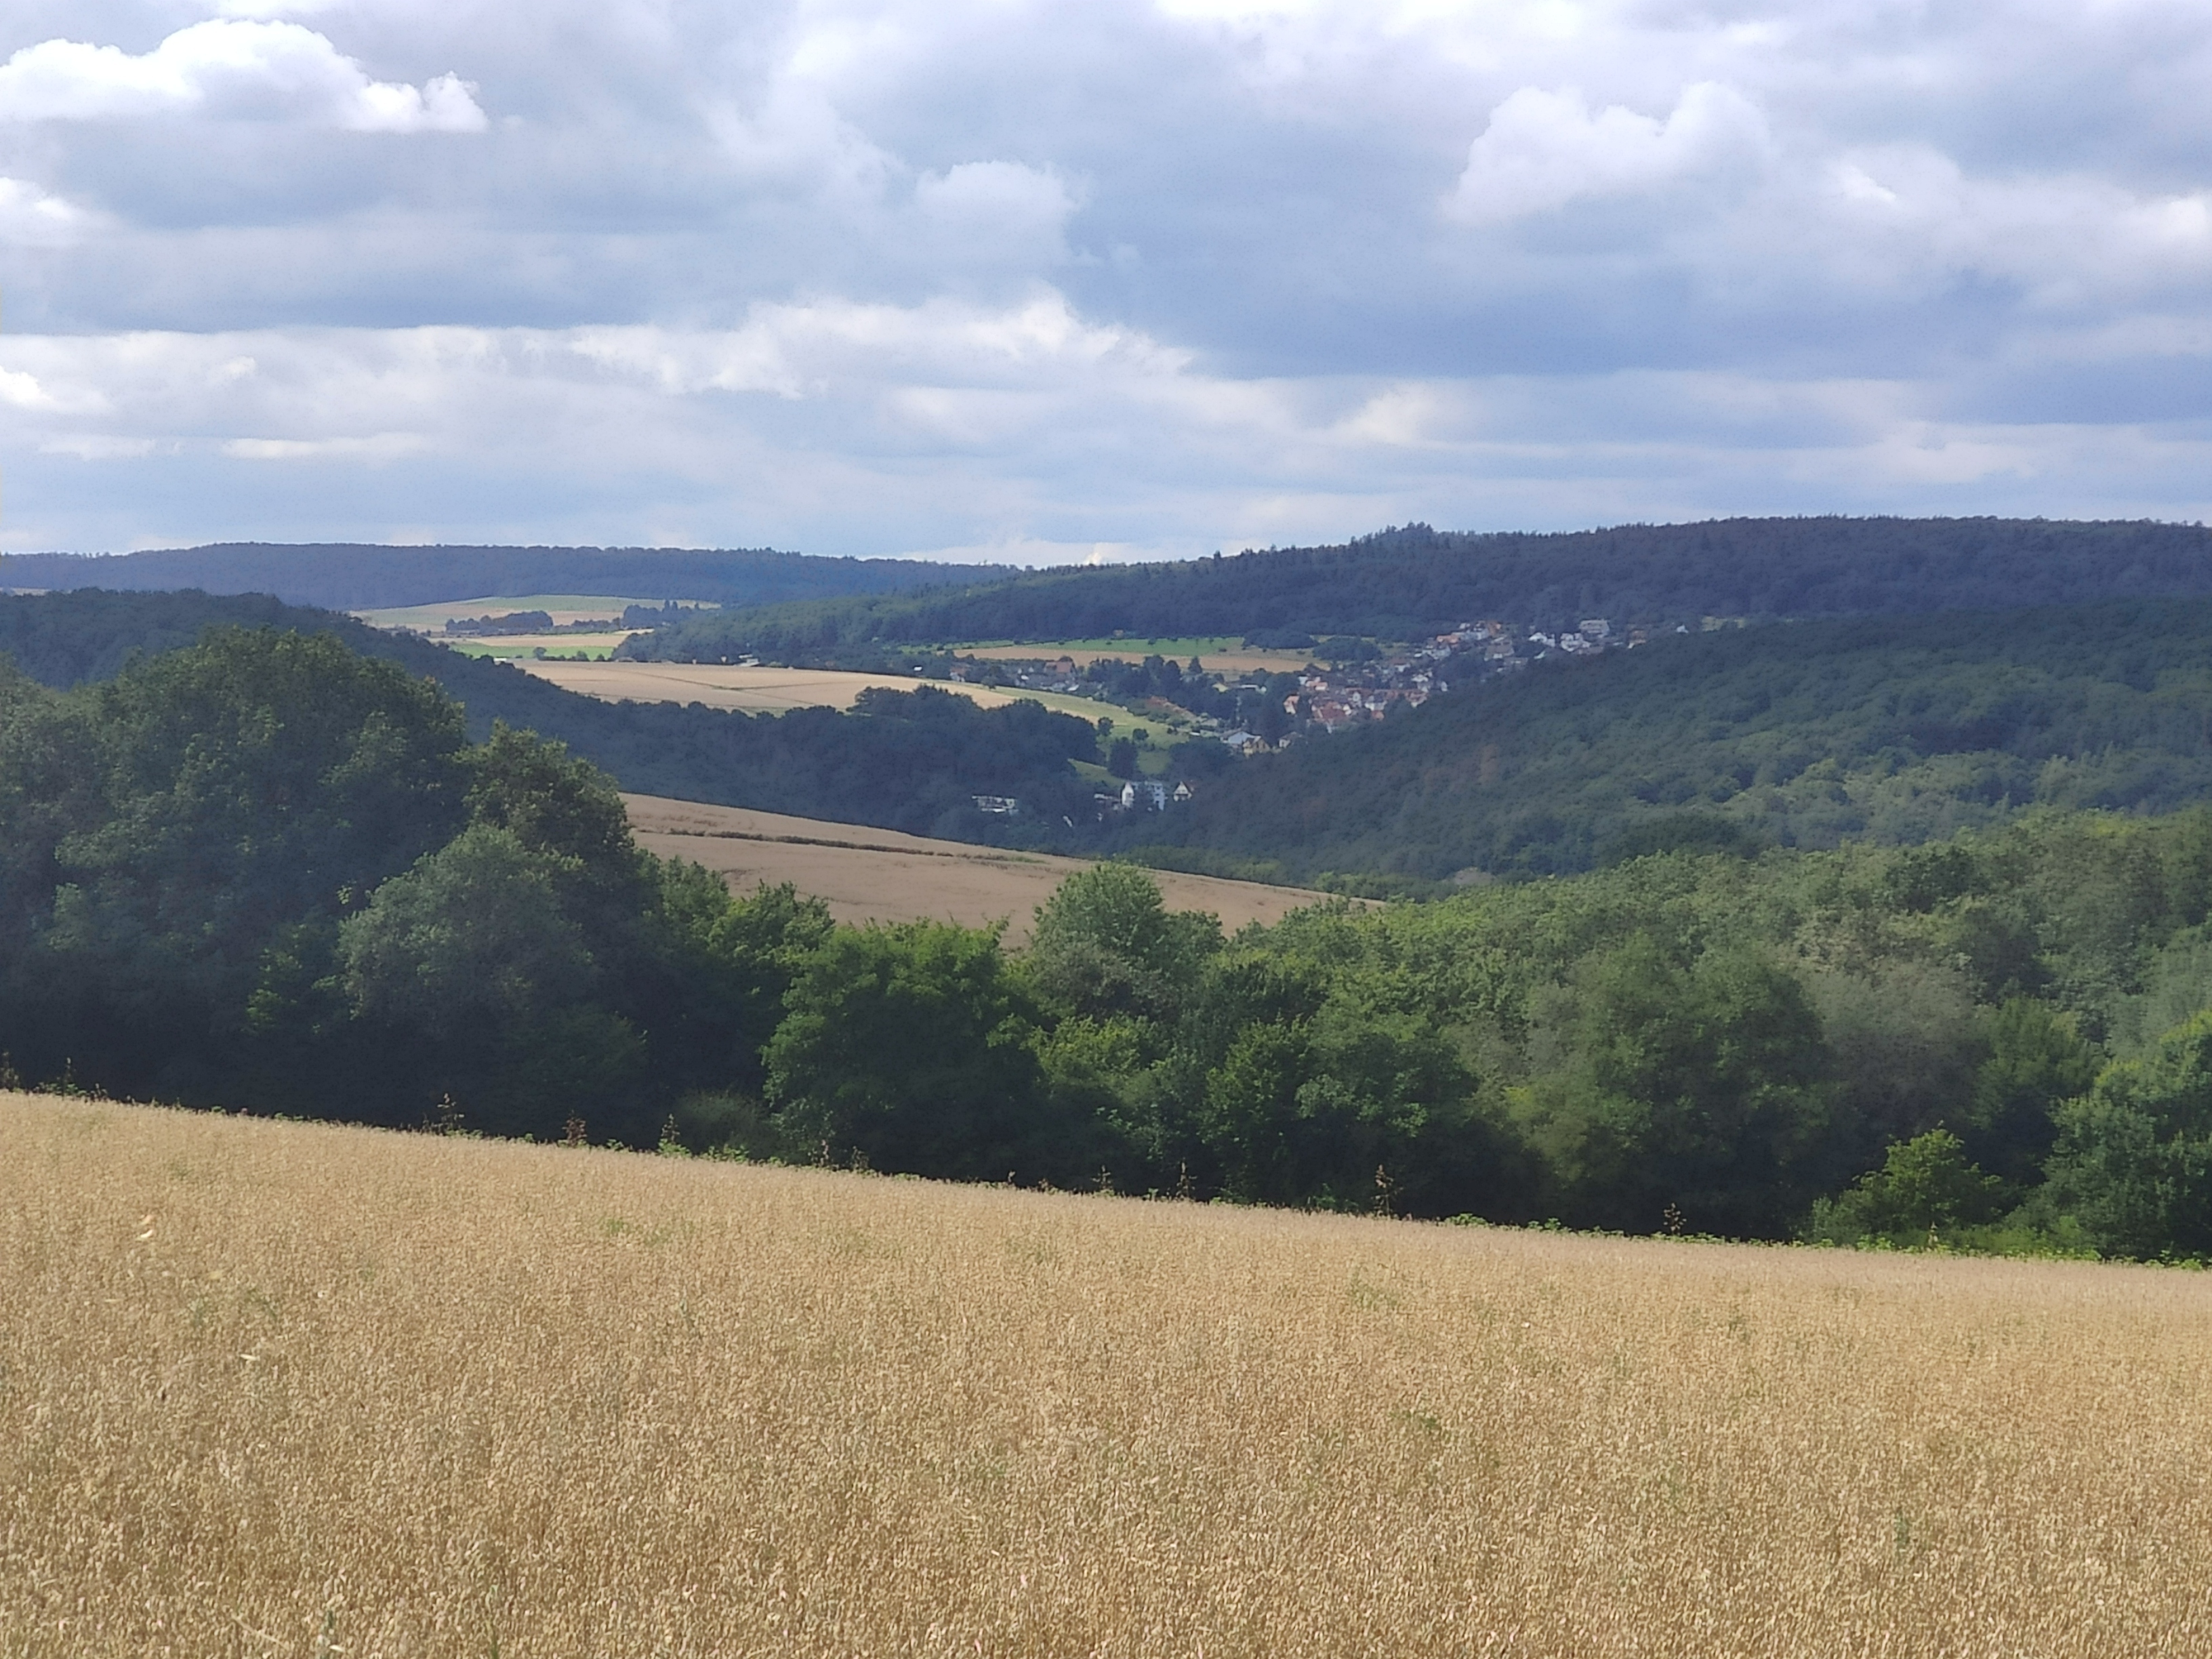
(281, 1388)
(759, 690)
(562, 607)
(1215, 655)
(881, 875)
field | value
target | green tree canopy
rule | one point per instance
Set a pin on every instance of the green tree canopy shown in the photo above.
(1700, 1086)
(1105, 944)
(2133, 1158)
(914, 1046)
(474, 931)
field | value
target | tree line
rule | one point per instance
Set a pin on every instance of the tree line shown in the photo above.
(1410, 582)
(346, 576)
(265, 872)
(909, 760)
(1894, 729)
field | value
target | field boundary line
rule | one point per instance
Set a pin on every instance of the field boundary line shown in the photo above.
(980, 856)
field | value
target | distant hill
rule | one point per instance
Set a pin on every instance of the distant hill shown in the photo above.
(907, 761)
(1403, 583)
(1893, 729)
(340, 576)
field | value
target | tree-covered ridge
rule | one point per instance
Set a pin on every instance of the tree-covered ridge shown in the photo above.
(350, 577)
(900, 761)
(1895, 729)
(1410, 582)
(265, 871)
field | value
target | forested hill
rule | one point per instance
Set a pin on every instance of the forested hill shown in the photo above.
(344, 577)
(1893, 730)
(909, 760)
(1405, 583)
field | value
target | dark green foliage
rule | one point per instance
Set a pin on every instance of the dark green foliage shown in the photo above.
(66, 639)
(1336, 1099)
(2036, 1060)
(2133, 1158)
(473, 935)
(913, 1048)
(1927, 1190)
(267, 871)
(901, 761)
(1104, 945)
(1697, 1085)
(168, 822)
(1896, 730)
(1407, 583)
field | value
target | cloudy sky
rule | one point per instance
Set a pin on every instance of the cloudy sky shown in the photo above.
(1099, 279)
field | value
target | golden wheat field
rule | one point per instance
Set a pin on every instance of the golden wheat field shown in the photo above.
(763, 690)
(274, 1388)
(886, 875)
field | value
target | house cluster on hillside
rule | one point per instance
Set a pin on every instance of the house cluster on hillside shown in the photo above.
(1352, 692)
(1351, 681)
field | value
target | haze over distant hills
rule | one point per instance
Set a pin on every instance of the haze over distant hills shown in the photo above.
(346, 576)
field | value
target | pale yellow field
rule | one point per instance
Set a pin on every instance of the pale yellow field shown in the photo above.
(761, 691)
(881, 875)
(275, 1389)
(562, 607)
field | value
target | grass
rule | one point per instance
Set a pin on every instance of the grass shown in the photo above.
(277, 1389)
(562, 607)
(771, 690)
(591, 647)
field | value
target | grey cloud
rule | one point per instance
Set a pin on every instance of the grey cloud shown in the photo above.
(1162, 276)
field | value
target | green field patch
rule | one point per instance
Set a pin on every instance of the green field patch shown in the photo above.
(1084, 709)
(562, 607)
(585, 648)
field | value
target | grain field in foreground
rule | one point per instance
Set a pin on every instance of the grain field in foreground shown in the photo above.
(274, 1388)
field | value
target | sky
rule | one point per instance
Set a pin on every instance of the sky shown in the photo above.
(1100, 279)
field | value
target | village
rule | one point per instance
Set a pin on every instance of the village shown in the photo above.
(1344, 683)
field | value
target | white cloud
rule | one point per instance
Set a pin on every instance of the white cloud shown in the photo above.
(875, 276)
(1544, 149)
(1026, 432)
(1906, 212)
(23, 390)
(1002, 209)
(97, 446)
(30, 218)
(796, 136)
(375, 448)
(270, 71)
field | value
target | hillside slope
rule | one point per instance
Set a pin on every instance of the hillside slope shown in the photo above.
(1890, 729)
(1405, 583)
(349, 577)
(911, 762)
